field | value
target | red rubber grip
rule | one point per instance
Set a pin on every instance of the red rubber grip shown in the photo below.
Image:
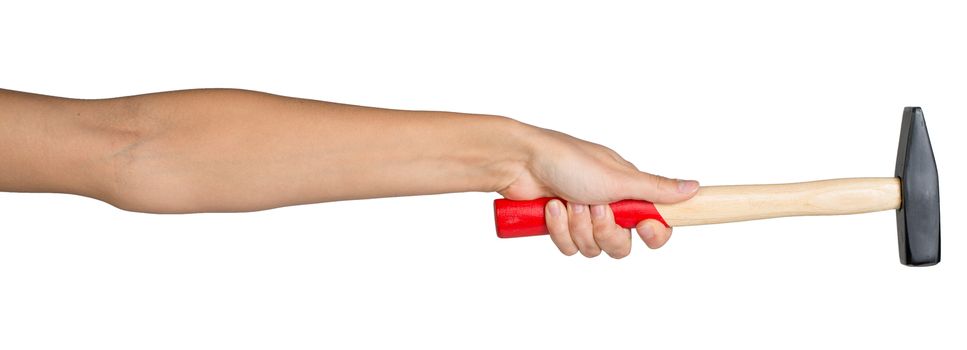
(526, 218)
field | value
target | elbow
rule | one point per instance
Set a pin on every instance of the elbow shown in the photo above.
(144, 193)
(137, 174)
(141, 184)
(145, 184)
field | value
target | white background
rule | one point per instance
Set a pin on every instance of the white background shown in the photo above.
(723, 92)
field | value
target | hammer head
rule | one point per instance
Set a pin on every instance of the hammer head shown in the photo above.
(918, 219)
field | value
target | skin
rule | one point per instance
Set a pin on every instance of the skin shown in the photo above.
(224, 150)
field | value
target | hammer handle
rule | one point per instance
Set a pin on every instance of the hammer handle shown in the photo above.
(720, 204)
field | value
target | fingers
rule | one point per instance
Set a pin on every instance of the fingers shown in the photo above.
(579, 224)
(653, 233)
(658, 189)
(556, 222)
(589, 230)
(611, 238)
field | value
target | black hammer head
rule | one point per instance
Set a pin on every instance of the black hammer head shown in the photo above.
(918, 219)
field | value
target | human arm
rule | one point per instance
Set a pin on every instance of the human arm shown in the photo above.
(219, 150)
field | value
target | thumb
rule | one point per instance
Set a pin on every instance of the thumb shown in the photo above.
(659, 189)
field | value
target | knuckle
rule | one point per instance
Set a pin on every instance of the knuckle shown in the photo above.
(620, 249)
(556, 226)
(585, 245)
(590, 249)
(563, 243)
(659, 194)
(580, 229)
(600, 233)
(590, 253)
(625, 250)
(603, 227)
(621, 254)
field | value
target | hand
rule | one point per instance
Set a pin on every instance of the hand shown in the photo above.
(589, 176)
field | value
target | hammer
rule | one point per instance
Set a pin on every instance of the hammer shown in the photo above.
(913, 192)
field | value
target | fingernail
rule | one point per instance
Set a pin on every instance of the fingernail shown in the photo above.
(555, 208)
(597, 211)
(647, 232)
(687, 186)
(577, 208)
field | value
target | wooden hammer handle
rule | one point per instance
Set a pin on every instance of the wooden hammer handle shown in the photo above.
(720, 204)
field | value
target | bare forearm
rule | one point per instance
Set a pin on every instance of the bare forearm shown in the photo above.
(52, 144)
(232, 150)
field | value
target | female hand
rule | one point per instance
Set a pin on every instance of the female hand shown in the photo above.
(589, 176)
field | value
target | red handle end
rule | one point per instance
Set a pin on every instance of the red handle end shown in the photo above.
(526, 218)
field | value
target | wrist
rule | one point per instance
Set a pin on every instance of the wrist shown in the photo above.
(510, 149)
